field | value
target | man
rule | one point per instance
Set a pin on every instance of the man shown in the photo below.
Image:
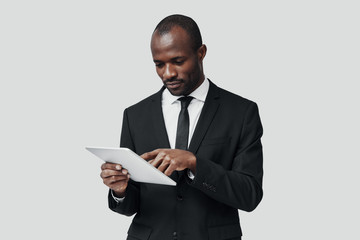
(203, 137)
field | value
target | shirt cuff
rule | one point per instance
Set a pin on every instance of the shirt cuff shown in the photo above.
(117, 199)
(190, 174)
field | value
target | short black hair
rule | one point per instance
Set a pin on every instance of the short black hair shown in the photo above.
(186, 23)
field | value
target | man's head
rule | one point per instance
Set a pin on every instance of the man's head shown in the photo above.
(178, 53)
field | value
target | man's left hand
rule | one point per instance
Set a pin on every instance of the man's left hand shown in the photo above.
(170, 160)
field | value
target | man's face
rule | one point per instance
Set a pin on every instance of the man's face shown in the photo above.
(177, 64)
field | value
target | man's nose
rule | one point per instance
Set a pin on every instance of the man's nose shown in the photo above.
(169, 72)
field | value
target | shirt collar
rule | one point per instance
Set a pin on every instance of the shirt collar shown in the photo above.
(199, 93)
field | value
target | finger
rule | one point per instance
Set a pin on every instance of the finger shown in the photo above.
(108, 173)
(112, 166)
(145, 156)
(155, 164)
(158, 159)
(164, 164)
(170, 169)
(114, 179)
(150, 155)
(119, 181)
(119, 186)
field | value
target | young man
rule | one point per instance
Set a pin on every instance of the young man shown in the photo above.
(203, 137)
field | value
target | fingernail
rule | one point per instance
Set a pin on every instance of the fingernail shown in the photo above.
(118, 167)
(124, 171)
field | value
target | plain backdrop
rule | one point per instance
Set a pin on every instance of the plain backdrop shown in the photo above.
(69, 68)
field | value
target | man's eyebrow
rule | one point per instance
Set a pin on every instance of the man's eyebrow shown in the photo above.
(172, 59)
(177, 58)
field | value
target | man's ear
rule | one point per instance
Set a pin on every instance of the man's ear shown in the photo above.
(201, 52)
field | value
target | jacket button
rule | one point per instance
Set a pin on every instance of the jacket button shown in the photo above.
(180, 198)
(174, 235)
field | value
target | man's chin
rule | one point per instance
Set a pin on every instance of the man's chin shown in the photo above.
(176, 91)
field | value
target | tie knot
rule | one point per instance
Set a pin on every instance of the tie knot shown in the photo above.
(185, 101)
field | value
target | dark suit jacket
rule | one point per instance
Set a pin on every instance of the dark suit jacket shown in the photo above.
(227, 145)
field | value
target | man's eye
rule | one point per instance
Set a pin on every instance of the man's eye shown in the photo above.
(179, 62)
(159, 64)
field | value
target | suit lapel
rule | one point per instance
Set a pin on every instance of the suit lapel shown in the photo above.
(207, 115)
(159, 127)
(157, 116)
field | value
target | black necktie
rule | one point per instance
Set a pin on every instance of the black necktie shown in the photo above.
(182, 133)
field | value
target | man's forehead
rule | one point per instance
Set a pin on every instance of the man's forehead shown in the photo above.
(175, 34)
(175, 40)
(164, 40)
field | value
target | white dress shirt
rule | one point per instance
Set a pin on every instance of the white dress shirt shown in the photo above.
(171, 107)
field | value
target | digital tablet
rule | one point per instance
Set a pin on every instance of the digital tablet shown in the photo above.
(139, 169)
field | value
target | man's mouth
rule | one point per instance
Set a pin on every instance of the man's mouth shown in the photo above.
(173, 84)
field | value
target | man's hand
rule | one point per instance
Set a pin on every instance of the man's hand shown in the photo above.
(170, 160)
(115, 177)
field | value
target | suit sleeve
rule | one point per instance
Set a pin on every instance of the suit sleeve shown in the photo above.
(130, 204)
(241, 186)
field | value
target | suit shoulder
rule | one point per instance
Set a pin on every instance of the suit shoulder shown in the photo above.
(144, 104)
(238, 106)
(234, 98)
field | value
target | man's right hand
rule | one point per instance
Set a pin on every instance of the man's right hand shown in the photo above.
(115, 177)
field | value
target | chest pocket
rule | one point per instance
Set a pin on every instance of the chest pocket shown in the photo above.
(215, 141)
(214, 148)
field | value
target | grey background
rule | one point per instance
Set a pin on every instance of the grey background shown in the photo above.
(69, 68)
